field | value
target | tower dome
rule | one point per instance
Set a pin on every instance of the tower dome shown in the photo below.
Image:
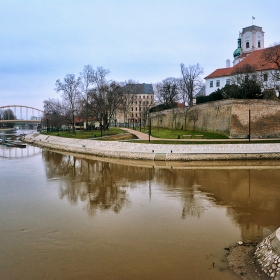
(237, 52)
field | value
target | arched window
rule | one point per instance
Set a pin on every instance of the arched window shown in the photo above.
(247, 45)
(259, 44)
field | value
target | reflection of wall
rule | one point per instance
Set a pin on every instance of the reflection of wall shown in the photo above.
(252, 197)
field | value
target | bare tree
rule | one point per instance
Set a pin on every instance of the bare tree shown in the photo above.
(157, 90)
(193, 117)
(271, 55)
(168, 91)
(8, 114)
(53, 113)
(86, 85)
(271, 58)
(190, 82)
(105, 100)
(70, 89)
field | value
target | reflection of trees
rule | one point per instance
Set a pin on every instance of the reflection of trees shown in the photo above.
(252, 197)
(101, 184)
(183, 182)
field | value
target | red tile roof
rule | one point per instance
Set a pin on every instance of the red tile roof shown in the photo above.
(254, 59)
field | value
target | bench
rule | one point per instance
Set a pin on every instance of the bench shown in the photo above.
(188, 136)
(198, 136)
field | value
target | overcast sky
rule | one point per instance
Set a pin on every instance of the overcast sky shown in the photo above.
(143, 40)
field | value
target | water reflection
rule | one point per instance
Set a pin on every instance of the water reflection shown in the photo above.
(16, 153)
(251, 196)
(100, 184)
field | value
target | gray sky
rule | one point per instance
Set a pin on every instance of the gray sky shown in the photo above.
(42, 41)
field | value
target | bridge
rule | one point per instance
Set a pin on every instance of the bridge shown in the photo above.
(20, 114)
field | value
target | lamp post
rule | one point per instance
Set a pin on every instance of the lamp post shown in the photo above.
(249, 125)
(101, 125)
(249, 121)
(149, 127)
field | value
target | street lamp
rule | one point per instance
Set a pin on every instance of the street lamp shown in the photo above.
(249, 125)
(101, 125)
(149, 127)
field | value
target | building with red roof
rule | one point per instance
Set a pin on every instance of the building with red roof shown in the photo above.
(250, 51)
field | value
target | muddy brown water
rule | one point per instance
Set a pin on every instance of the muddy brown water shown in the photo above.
(65, 217)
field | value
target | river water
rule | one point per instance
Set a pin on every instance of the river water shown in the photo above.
(67, 217)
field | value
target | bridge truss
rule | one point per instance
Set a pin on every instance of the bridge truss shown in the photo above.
(20, 114)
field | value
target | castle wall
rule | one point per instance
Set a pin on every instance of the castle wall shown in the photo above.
(229, 117)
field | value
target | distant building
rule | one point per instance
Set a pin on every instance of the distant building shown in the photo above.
(139, 98)
(250, 48)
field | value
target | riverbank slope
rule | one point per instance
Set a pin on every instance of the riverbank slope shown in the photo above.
(157, 152)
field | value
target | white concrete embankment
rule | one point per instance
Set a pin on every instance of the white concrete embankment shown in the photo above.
(157, 152)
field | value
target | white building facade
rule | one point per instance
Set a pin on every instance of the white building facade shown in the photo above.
(250, 47)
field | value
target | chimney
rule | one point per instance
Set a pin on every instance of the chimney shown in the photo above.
(228, 63)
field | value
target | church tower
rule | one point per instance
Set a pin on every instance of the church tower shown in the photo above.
(250, 39)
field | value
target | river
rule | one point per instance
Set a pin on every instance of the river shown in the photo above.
(66, 217)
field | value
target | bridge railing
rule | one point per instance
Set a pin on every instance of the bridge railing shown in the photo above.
(20, 113)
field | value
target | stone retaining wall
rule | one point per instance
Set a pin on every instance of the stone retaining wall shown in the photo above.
(229, 117)
(268, 255)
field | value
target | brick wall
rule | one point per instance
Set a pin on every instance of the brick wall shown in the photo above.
(230, 117)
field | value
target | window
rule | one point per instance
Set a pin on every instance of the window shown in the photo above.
(136, 115)
(247, 45)
(259, 44)
(139, 108)
(227, 81)
(217, 83)
(144, 97)
(132, 109)
(265, 77)
(135, 108)
(211, 83)
(254, 77)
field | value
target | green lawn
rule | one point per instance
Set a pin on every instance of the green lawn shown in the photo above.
(85, 134)
(170, 142)
(166, 133)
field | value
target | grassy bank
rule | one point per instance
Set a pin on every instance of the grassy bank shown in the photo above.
(166, 133)
(190, 142)
(83, 134)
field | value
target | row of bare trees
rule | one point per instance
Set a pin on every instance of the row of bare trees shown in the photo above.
(182, 89)
(89, 96)
(92, 96)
